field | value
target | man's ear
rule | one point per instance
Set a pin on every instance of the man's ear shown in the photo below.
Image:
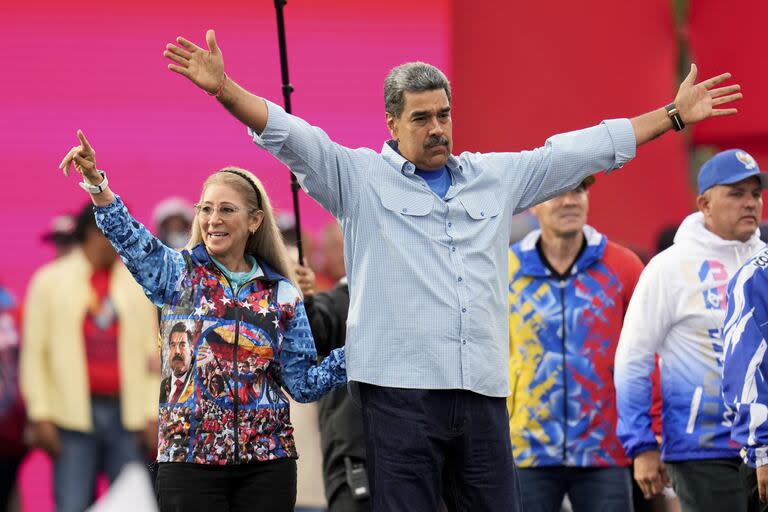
(392, 125)
(702, 202)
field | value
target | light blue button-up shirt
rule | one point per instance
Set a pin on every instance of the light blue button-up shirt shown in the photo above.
(427, 276)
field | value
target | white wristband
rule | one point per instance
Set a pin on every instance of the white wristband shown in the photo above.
(95, 189)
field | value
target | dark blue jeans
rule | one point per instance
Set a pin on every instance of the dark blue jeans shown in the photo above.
(588, 489)
(84, 455)
(429, 447)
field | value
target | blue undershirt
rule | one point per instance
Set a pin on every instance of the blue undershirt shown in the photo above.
(439, 181)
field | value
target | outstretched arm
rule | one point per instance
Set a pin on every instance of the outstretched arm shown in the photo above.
(330, 173)
(695, 102)
(155, 266)
(205, 68)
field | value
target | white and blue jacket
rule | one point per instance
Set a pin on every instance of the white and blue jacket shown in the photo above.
(677, 312)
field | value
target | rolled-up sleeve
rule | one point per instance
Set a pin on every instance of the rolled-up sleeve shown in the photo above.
(564, 160)
(329, 172)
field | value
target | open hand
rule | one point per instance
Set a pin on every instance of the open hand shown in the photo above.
(84, 159)
(696, 102)
(205, 68)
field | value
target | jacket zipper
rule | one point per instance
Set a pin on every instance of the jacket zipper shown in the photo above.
(236, 393)
(565, 376)
(236, 400)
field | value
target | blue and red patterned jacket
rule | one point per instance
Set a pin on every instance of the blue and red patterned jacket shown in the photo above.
(246, 345)
(563, 335)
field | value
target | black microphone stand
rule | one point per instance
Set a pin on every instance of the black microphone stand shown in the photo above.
(287, 90)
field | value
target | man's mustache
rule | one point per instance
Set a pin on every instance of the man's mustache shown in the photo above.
(177, 357)
(436, 141)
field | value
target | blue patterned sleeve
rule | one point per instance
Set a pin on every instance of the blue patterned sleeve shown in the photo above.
(304, 378)
(745, 359)
(156, 267)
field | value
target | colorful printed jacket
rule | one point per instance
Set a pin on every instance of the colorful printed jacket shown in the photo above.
(563, 335)
(745, 365)
(12, 415)
(247, 344)
(677, 312)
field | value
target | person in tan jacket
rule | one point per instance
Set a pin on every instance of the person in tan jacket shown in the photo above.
(89, 334)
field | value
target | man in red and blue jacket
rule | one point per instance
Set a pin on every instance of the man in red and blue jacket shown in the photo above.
(568, 288)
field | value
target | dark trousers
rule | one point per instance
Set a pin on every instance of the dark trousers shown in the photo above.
(429, 446)
(268, 486)
(343, 501)
(708, 485)
(9, 468)
(589, 489)
(749, 483)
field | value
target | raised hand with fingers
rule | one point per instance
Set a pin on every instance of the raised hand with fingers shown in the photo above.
(205, 68)
(83, 158)
(697, 102)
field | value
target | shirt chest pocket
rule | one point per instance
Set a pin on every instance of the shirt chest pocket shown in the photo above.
(406, 202)
(480, 207)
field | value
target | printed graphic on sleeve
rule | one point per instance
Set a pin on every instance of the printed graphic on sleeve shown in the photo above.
(714, 271)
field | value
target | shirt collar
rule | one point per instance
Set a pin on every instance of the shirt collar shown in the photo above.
(395, 159)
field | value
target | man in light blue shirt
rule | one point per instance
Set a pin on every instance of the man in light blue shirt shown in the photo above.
(426, 260)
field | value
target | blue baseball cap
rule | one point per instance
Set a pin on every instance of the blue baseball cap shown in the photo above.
(729, 167)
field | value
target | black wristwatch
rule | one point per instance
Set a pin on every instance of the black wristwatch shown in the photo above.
(674, 115)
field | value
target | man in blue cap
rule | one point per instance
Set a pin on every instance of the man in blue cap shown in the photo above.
(677, 312)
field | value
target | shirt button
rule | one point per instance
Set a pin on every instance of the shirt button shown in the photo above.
(453, 249)
(450, 224)
(482, 214)
(463, 342)
(463, 310)
(405, 210)
(459, 279)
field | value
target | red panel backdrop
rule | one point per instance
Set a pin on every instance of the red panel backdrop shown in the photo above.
(732, 37)
(525, 70)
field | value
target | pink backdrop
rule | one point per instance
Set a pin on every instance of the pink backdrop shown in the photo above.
(99, 66)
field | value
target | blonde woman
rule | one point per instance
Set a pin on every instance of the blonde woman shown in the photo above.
(244, 325)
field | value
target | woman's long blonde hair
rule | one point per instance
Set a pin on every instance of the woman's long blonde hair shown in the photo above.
(266, 244)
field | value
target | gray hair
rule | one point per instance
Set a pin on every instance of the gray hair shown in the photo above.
(412, 77)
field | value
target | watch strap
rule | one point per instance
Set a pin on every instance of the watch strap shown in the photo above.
(674, 116)
(95, 189)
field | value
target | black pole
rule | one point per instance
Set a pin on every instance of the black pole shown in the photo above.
(287, 90)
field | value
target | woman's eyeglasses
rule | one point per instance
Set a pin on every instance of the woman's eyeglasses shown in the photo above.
(226, 211)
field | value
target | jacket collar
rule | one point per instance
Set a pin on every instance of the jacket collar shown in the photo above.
(200, 256)
(531, 263)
